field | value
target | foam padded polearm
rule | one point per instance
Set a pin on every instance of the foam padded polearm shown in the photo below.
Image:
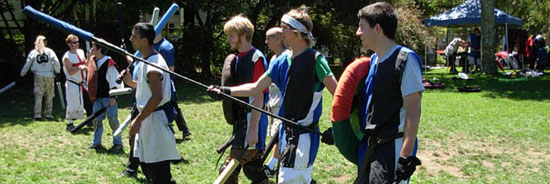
(57, 23)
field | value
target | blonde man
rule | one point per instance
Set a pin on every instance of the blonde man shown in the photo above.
(249, 127)
(75, 66)
(43, 63)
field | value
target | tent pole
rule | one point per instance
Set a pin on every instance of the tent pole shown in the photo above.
(425, 59)
(507, 45)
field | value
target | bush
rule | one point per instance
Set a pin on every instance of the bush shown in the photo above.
(410, 30)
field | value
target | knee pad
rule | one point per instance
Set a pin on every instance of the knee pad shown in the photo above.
(113, 120)
(95, 124)
(254, 172)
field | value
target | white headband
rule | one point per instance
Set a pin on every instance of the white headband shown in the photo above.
(296, 25)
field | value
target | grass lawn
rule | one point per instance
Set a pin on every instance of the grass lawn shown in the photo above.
(499, 135)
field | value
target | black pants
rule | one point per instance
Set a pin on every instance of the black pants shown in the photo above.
(158, 172)
(382, 167)
(451, 62)
(133, 162)
(180, 120)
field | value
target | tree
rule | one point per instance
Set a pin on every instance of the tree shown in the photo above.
(488, 37)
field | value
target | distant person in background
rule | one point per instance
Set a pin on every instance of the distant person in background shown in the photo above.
(529, 51)
(539, 57)
(44, 65)
(450, 52)
(75, 68)
(166, 49)
(474, 41)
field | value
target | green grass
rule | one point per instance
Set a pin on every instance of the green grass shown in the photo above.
(499, 135)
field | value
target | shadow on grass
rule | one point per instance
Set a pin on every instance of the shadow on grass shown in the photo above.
(86, 130)
(531, 89)
(18, 107)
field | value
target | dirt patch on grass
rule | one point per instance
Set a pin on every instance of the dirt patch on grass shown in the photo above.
(434, 162)
(343, 178)
(444, 155)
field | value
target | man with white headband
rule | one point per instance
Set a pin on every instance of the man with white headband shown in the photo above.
(301, 76)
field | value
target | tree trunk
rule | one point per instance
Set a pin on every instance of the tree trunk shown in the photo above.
(206, 50)
(488, 37)
(189, 40)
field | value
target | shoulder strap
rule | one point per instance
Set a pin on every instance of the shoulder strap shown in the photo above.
(255, 56)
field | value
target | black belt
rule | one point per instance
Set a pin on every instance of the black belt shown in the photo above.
(373, 143)
(77, 83)
(293, 131)
(160, 108)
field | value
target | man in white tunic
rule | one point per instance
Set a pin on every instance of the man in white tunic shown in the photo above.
(74, 63)
(154, 143)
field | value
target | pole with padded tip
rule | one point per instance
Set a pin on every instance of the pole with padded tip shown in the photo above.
(155, 17)
(121, 24)
(9, 86)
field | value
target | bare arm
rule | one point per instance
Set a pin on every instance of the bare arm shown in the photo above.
(127, 78)
(27, 65)
(252, 138)
(56, 65)
(330, 83)
(250, 89)
(412, 119)
(70, 69)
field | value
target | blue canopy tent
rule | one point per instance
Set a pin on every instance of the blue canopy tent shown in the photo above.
(469, 14)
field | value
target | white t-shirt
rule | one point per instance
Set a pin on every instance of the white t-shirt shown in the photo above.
(143, 90)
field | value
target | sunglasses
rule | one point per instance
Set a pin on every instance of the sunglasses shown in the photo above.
(75, 42)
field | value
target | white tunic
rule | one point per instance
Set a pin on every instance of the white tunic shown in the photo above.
(75, 101)
(155, 141)
(75, 59)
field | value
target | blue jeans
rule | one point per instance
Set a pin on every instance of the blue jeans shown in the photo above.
(112, 117)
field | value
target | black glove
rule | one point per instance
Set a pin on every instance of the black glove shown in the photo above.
(327, 137)
(405, 168)
(217, 96)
